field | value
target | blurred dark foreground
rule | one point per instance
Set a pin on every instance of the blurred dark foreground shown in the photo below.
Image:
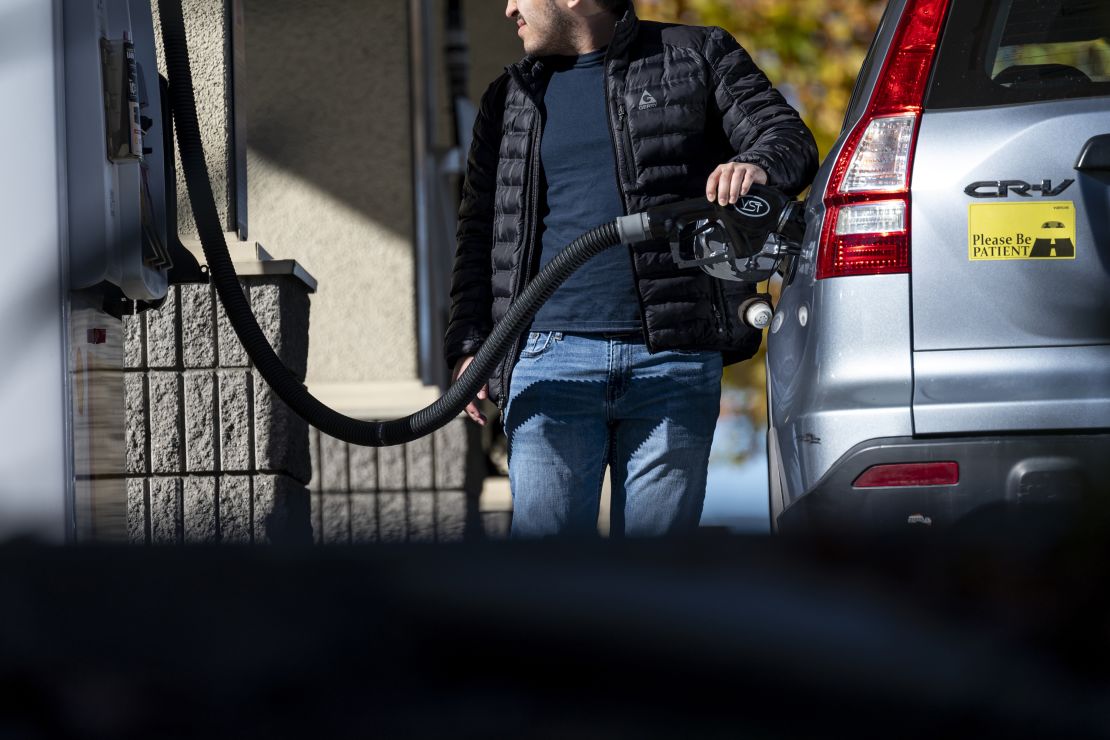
(1006, 635)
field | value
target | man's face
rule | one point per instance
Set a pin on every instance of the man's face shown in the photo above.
(544, 26)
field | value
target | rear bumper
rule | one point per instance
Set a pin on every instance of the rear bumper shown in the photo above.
(1061, 473)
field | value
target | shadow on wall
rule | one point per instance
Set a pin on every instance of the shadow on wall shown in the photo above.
(327, 100)
(428, 490)
(493, 43)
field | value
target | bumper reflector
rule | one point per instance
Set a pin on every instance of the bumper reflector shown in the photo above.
(909, 474)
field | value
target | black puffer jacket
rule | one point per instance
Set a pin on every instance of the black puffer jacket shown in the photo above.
(707, 103)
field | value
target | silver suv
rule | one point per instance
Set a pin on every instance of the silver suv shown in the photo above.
(942, 344)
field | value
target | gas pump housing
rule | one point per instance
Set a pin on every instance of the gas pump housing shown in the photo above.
(83, 217)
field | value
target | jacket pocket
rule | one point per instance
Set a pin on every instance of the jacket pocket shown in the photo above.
(626, 165)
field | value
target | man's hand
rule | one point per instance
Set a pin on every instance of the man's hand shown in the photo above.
(472, 407)
(729, 181)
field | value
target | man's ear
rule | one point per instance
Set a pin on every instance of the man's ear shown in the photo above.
(581, 7)
(585, 8)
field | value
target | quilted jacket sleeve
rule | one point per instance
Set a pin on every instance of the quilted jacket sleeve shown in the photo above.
(761, 126)
(471, 291)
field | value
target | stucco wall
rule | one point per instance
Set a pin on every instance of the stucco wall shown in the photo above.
(493, 43)
(206, 26)
(325, 92)
(326, 87)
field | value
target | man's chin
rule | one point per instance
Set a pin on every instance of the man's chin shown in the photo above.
(535, 45)
(540, 49)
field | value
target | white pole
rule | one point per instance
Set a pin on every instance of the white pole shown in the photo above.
(35, 472)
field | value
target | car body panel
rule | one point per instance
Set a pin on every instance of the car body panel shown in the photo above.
(836, 377)
(821, 392)
(982, 349)
(960, 303)
(1012, 389)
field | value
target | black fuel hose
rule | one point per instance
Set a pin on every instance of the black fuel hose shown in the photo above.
(269, 365)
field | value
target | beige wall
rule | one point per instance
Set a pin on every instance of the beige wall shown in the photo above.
(329, 165)
(325, 89)
(493, 43)
(329, 173)
(208, 36)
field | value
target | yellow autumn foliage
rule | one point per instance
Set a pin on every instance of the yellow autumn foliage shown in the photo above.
(810, 49)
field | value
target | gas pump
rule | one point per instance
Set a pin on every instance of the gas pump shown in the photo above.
(114, 150)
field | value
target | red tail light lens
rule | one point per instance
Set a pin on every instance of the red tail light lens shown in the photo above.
(909, 474)
(865, 238)
(874, 165)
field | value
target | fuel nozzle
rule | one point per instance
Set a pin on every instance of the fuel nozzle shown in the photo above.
(743, 242)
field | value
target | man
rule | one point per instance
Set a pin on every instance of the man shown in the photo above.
(608, 115)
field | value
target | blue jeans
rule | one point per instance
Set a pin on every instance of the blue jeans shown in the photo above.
(580, 402)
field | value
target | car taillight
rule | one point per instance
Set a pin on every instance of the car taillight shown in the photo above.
(867, 200)
(909, 474)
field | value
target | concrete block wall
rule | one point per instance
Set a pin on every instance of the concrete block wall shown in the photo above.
(425, 491)
(212, 455)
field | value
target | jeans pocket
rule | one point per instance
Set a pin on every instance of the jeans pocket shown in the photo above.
(538, 342)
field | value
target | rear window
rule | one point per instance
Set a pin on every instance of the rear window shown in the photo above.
(1001, 52)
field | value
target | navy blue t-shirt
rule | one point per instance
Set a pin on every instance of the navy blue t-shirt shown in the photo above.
(579, 168)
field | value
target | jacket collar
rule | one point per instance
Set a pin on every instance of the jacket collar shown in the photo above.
(627, 28)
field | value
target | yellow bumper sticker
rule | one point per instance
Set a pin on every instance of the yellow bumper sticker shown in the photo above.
(1037, 230)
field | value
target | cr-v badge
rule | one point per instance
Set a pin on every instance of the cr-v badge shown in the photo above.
(1003, 188)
